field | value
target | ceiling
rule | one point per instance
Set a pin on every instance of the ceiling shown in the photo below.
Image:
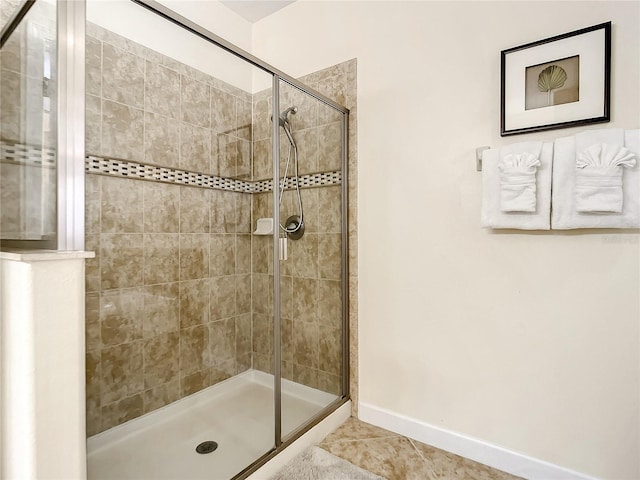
(254, 10)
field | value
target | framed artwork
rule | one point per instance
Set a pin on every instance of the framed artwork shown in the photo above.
(558, 82)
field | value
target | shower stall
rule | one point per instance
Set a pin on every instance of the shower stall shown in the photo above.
(214, 195)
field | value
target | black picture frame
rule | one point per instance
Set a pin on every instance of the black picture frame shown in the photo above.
(582, 58)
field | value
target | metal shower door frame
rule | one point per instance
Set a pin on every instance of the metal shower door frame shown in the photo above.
(277, 77)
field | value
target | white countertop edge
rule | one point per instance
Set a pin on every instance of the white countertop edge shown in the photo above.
(44, 255)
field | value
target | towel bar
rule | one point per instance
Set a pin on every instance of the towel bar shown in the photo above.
(479, 151)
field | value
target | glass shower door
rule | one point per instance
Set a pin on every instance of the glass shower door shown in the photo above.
(310, 231)
(28, 100)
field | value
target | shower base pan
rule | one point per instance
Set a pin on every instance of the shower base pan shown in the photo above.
(237, 414)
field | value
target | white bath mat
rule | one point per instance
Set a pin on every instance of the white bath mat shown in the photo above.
(318, 464)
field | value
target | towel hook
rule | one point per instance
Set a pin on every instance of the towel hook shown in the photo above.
(479, 151)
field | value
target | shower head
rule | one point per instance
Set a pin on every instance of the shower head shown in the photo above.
(284, 116)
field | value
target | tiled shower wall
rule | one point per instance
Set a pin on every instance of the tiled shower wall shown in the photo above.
(169, 292)
(175, 300)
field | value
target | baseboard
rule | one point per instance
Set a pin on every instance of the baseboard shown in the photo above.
(478, 450)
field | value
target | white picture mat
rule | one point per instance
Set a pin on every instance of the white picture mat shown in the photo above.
(591, 49)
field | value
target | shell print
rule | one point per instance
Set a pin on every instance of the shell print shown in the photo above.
(551, 78)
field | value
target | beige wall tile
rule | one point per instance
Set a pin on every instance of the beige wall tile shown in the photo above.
(194, 256)
(305, 343)
(12, 105)
(223, 214)
(224, 155)
(222, 254)
(195, 148)
(93, 125)
(161, 359)
(222, 342)
(194, 303)
(161, 208)
(194, 102)
(305, 299)
(161, 140)
(303, 256)
(262, 334)
(223, 112)
(243, 254)
(262, 254)
(122, 76)
(162, 90)
(307, 141)
(122, 131)
(329, 383)
(93, 203)
(310, 199)
(333, 87)
(262, 159)
(222, 297)
(121, 260)
(244, 127)
(307, 116)
(121, 372)
(92, 265)
(305, 375)
(161, 309)
(329, 209)
(121, 313)
(194, 210)
(243, 161)
(93, 371)
(330, 303)
(195, 382)
(93, 340)
(243, 294)
(242, 213)
(330, 349)
(161, 395)
(263, 362)
(121, 209)
(262, 293)
(93, 417)
(243, 341)
(161, 254)
(121, 411)
(286, 329)
(330, 256)
(261, 118)
(330, 150)
(194, 350)
(221, 372)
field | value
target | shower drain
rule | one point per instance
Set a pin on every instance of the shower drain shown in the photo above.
(206, 447)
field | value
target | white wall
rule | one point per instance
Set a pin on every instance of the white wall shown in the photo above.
(525, 340)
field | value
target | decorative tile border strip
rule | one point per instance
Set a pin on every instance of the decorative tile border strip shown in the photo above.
(34, 156)
(306, 181)
(37, 156)
(124, 168)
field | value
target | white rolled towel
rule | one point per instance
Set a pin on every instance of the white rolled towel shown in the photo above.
(599, 170)
(518, 182)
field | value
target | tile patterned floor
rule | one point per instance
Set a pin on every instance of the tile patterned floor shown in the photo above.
(395, 457)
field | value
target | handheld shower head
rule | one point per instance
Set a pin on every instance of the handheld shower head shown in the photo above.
(284, 116)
